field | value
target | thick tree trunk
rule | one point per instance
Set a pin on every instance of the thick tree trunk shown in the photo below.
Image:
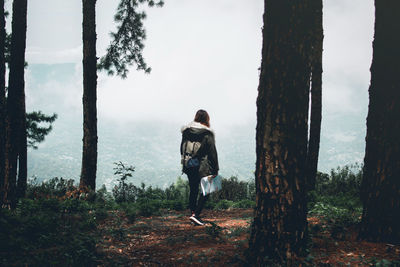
(2, 99)
(280, 227)
(316, 97)
(15, 99)
(380, 189)
(89, 152)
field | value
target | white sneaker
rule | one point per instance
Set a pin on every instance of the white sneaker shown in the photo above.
(196, 220)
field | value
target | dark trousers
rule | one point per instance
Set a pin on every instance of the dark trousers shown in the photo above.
(196, 206)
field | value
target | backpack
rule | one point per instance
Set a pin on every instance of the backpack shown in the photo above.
(190, 161)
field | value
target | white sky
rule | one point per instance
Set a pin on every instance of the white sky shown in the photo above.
(203, 54)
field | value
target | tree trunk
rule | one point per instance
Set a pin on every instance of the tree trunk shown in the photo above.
(89, 152)
(280, 227)
(2, 98)
(15, 99)
(316, 98)
(22, 159)
(380, 188)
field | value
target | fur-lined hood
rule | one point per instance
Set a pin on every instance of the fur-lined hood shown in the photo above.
(197, 127)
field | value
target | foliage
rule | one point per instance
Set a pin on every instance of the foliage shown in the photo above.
(148, 207)
(55, 187)
(48, 232)
(244, 204)
(336, 215)
(342, 180)
(235, 190)
(336, 200)
(224, 204)
(341, 188)
(131, 214)
(105, 198)
(127, 42)
(57, 226)
(123, 191)
(35, 132)
(214, 230)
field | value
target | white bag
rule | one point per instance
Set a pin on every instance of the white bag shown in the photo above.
(210, 184)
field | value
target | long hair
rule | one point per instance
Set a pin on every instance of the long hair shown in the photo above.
(202, 117)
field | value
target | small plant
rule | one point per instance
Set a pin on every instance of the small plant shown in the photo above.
(46, 232)
(131, 214)
(53, 188)
(123, 192)
(100, 213)
(239, 231)
(244, 204)
(338, 219)
(148, 207)
(214, 230)
(224, 204)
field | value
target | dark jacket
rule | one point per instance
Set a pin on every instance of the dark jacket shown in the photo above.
(207, 153)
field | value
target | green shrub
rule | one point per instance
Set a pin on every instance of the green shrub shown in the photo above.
(55, 187)
(74, 205)
(178, 205)
(173, 205)
(244, 204)
(333, 213)
(214, 230)
(101, 214)
(342, 180)
(148, 207)
(210, 204)
(131, 214)
(224, 204)
(41, 233)
(337, 219)
(235, 190)
(27, 207)
(51, 205)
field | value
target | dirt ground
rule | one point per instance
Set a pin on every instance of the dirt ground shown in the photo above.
(171, 240)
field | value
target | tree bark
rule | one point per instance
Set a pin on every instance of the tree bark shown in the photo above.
(89, 152)
(316, 98)
(2, 99)
(380, 188)
(279, 229)
(15, 99)
(22, 158)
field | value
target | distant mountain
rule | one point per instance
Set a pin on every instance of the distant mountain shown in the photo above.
(151, 146)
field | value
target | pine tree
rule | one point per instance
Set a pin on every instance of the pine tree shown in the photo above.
(2, 97)
(316, 96)
(125, 50)
(380, 188)
(279, 229)
(16, 117)
(36, 131)
(89, 151)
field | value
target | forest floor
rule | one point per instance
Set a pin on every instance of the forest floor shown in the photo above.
(171, 240)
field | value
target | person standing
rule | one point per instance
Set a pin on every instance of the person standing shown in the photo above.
(199, 159)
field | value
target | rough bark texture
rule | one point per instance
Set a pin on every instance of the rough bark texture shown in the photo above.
(89, 152)
(2, 98)
(316, 97)
(280, 227)
(16, 99)
(22, 158)
(380, 189)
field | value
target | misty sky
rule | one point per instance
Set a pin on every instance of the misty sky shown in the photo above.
(204, 54)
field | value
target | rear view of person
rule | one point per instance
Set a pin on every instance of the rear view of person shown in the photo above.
(199, 159)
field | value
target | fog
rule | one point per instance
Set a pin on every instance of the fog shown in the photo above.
(203, 54)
